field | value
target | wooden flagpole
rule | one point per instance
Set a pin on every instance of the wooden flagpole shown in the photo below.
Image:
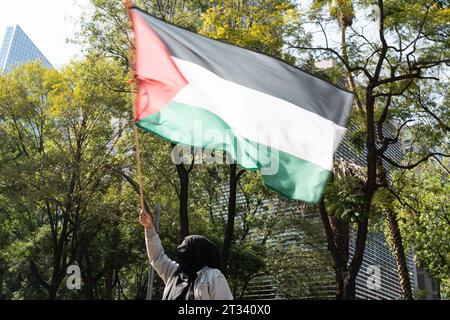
(151, 270)
(151, 276)
(128, 6)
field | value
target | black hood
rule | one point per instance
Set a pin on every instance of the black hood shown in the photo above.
(196, 252)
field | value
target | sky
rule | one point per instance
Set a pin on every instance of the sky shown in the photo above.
(48, 23)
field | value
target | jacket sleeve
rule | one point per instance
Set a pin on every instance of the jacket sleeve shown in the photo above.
(220, 289)
(158, 259)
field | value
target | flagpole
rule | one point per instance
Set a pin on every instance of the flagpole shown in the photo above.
(151, 270)
(128, 6)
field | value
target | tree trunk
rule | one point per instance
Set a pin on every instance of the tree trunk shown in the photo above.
(56, 274)
(339, 273)
(399, 254)
(350, 79)
(349, 286)
(341, 235)
(88, 291)
(397, 247)
(1, 284)
(52, 293)
(55, 282)
(86, 273)
(111, 263)
(230, 220)
(109, 279)
(183, 175)
(345, 285)
(338, 236)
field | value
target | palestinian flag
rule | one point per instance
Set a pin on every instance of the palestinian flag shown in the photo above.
(268, 115)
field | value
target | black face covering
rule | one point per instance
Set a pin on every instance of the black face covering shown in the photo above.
(194, 253)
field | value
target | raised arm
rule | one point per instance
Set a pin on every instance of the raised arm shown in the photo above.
(158, 259)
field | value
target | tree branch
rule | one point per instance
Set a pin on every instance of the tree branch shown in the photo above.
(394, 94)
(442, 165)
(404, 77)
(148, 204)
(389, 141)
(432, 114)
(346, 64)
(385, 47)
(399, 199)
(240, 173)
(35, 273)
(191, 166)
(412, 166)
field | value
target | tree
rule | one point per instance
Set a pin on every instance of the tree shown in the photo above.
(402, 53)
(105, 24)
(257, 25)
(424, 219)
(59, 127)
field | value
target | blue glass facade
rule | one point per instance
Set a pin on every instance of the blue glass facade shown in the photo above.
(378, 277)
(18, 49)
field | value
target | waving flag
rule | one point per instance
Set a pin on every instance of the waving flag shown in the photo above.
(268, 115)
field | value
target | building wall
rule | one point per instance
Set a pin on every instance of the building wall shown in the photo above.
(378, 277)
(6, 44)
(377, 280)
(428, 290)
(17, 49)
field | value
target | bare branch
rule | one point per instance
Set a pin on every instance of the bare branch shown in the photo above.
(192, 164)
(148, 203)
(404, 77)
(443, 165)
(399, 199)
(324, 33)
(412, 166)
(432, 114)
(389, 141)
(385, 47)
(430, 64)
(329, 234)
(240, 173)
(334, 52)
(394, 94)
(375, 49)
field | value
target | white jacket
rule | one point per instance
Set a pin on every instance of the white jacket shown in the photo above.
(210, 283)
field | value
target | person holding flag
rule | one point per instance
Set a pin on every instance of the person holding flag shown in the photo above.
(196, 275)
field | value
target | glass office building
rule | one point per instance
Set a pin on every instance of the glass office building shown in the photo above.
(17, 49)
(378, 277)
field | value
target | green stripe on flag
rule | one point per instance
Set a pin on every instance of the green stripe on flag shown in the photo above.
(295, 178)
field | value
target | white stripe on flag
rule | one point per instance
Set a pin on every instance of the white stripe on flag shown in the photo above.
(261, 117)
